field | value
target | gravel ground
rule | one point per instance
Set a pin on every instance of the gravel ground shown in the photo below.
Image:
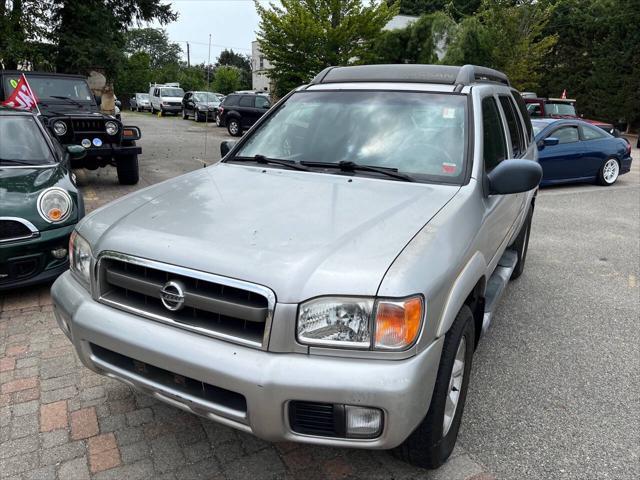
(553, 392)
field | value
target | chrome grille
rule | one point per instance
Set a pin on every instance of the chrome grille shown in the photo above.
(217, 306)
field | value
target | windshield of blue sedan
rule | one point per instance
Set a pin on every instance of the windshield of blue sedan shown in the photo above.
(420, 134)
(22, 142)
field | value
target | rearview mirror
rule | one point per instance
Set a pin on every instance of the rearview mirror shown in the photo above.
(76, 151)
(226, 147)
(514, 176)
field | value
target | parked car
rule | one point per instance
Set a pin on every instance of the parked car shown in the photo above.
(200, 105)
(563, 108)
(71, 112)
(39, 201)
(140, 102)
(166, 98)
(347, 263)
(239, 111)
(576, 151)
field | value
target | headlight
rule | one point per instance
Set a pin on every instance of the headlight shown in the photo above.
(80, 258)
(54, 205)
(111, 128)
(60, 128)
(384, 324)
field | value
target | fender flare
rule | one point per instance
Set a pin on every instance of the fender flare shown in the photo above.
(473, 271)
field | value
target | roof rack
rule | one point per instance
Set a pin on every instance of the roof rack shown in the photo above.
(412, 73)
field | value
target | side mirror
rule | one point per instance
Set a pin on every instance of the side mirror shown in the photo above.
(118, 104)
(98, 99)
(226, 147)
(76, 151)
(550, 141)
(514, 176)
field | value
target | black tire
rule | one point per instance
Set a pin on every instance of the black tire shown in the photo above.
(153, 110)
(185, 115)
(426, 447)
(521, 245)
(233, 125)
(602, 180)
(198, 116)
(128, 171)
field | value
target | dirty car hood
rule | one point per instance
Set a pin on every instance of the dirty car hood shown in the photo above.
(300, 234)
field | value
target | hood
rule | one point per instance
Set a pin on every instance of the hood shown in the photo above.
(300, 234)
(51, 108)
(20, 188)
(208, 104)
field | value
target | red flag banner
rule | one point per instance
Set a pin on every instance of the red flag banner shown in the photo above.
(22, 96)
(564, 93)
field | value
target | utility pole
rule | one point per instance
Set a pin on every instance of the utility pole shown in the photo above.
(188, 56)
(209, 63)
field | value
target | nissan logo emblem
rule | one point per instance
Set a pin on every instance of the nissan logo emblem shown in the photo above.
(172, 296)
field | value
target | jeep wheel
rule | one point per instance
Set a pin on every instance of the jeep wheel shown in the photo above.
(433, 440)
(521, 245)
(609, 172)
(233, 126)
(128, 172)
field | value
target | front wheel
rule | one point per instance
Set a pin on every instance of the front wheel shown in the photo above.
(128, 171)
(609, 172)
(233, 126)
(433, 440)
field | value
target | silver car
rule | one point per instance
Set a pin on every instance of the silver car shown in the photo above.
(327, 282)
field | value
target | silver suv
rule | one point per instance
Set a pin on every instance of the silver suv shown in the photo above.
(328, 281)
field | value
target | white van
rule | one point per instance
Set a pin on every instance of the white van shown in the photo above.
(166, 98)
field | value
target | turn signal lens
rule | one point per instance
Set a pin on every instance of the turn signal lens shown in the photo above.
(398, 323)
(54, 214)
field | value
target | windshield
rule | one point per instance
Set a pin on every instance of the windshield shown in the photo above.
(143, 96)
(560, 109)
(538, 127)
(206, 97)
(51, 87)
(171, 92)
(22, 142)
(418, 133)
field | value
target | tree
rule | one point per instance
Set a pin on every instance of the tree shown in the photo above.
(91, 33)
(455, 8)
(22, 26)
(155, 43)
(226, 79)
(242, 62)
(302, 37)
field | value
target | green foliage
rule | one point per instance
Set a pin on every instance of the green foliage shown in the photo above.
(242, 62)
(596, 58)
(155, 43)
(302, 37)
(456, 8)
(22, 25)
(226, 79)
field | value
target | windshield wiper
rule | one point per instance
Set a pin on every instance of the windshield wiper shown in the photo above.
(346, 166)
(275, 161)
(15, 162)
(60, 97)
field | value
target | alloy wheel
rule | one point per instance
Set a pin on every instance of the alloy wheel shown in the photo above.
(455, 386)
(610, 171)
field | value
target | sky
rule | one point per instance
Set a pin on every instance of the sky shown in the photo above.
(231, 23)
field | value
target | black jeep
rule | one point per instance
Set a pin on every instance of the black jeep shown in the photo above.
(72, 113)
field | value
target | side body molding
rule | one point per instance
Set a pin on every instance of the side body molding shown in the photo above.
(475, 268)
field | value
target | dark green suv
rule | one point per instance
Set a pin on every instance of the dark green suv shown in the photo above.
(71, 112)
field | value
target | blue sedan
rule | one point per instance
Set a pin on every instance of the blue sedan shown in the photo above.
(574, 151)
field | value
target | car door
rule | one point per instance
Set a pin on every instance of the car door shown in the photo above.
(501, 211)
(594, 142)
(247, 110)
(564, 160)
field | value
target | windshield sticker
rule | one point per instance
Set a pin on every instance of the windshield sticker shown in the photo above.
(448, 168)
(13, 82)
(448, 112)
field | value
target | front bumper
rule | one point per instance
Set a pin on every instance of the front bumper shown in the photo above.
(35, 252)
(268, 381)
(171, 108)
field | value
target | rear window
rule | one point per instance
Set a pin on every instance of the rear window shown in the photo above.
(22, 142)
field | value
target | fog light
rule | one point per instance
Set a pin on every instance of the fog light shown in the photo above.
(59, 253)
(363, 422)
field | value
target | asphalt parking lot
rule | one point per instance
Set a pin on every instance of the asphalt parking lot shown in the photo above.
(553, 394)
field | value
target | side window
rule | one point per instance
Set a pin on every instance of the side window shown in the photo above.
(592, 133)
(566, 134)
(513, 122)
(525, 114)
(246, 101)
(534, 110)
(262, 102)
(495, 146)
(231, 101)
